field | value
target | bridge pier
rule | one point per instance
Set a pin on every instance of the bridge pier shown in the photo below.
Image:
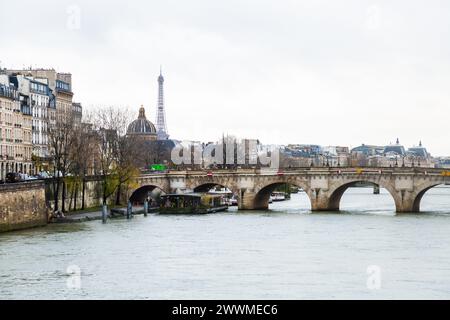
(405, 202)
(320, 201)
(248, 200)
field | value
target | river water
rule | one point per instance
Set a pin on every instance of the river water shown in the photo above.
(364, 252)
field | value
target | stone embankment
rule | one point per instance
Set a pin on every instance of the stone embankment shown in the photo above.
(22, 205)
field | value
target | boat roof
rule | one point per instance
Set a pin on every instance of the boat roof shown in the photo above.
(182, 195)
(192, 195)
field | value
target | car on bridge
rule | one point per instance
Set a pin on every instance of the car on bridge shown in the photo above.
(13, 177)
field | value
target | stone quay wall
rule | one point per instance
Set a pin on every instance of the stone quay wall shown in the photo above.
(22, 205)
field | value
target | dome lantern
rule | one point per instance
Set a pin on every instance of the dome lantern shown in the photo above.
(142, 113)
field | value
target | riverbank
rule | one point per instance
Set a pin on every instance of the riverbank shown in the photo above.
(24, 206)
(88, 215)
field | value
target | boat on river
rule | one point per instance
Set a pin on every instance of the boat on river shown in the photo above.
(192, 203)
(233, 201)
(228, 197)
(278, 196)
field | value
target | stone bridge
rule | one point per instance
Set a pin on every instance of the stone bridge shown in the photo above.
(324, 186)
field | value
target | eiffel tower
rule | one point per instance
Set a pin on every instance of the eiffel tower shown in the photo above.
(161, 126)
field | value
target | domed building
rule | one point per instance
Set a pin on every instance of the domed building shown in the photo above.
(419, 151)
(142, 128)
(395, 149)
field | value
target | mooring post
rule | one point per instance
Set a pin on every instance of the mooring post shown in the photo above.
(376, 189)
(104, 213)
(129, 208)
(145, 207)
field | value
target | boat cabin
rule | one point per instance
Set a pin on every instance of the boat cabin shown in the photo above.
(192, 203)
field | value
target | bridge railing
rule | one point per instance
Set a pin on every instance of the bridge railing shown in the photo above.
(307, 170)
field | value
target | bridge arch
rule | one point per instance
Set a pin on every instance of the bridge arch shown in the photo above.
(337, 192)
(421, 193)
(204, 184)
(262, 195)
(139, 195)
(205, 187)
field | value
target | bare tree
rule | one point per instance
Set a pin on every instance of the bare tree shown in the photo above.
(127, 167)
(60, 136)
(83, 152)
(117, 152)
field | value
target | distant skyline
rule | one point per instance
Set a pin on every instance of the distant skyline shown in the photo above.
(284, 72)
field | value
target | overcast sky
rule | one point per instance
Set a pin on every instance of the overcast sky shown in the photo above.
(284, 71)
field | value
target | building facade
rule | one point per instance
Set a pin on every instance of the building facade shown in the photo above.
(51, 99)
(392, 155)
(15, 129)
(77, 111)
(42, 116)
(45, 97)
(63, 95)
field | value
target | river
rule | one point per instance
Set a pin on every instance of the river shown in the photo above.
(363, 252)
